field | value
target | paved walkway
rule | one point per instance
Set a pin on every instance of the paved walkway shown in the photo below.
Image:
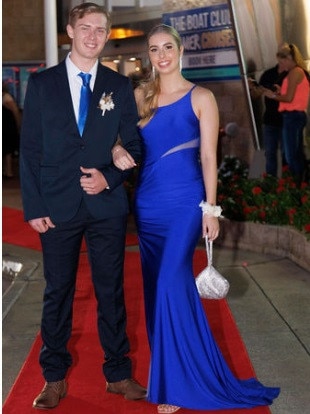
(269, 298)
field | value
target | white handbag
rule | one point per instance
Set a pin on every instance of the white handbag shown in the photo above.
(210, 283)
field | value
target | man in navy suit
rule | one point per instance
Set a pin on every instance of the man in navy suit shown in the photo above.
(71, 189)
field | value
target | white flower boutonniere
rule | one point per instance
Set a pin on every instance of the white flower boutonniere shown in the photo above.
(106, 102)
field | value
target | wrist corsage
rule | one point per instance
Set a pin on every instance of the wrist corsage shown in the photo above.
(209, 210)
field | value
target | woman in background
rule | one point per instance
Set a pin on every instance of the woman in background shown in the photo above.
(11, 120)
(293, 98)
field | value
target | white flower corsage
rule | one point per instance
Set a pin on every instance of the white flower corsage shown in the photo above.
(106, 102)
(210, 210)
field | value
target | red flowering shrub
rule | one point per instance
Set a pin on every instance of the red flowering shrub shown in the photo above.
(256, 190)
(267, 199)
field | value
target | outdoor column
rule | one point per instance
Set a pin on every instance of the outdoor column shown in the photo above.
(50, 31)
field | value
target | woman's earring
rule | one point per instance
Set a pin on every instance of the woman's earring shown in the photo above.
(180, 64)
(153, 72)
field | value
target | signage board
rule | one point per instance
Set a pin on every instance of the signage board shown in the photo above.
(209, 44)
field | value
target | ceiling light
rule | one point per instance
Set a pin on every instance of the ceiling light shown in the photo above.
(116, 34)
(122, 33)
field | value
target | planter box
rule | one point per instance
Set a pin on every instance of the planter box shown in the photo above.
(283, 241)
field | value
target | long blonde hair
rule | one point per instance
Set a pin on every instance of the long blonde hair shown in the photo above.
(151, 86)
(290, 49)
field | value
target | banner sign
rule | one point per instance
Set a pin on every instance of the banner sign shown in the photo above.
(209, 43)
(15, 76)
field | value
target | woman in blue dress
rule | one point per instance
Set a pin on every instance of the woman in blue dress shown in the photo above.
(179, 126)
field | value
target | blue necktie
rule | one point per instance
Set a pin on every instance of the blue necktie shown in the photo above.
(84, 100)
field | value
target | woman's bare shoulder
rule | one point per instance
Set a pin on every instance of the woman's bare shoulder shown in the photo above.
(202, 96)
(202, 91)
(296, 74)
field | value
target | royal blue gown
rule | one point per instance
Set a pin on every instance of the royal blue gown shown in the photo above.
(187, 368)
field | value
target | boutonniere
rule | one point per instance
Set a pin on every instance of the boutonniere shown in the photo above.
(106, 102)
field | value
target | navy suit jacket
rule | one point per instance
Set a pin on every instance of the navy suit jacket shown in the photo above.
(52, 150)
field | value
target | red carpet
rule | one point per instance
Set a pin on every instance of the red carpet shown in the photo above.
(16, 231)
(86, 383)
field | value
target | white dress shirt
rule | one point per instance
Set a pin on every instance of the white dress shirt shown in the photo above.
(75, 82)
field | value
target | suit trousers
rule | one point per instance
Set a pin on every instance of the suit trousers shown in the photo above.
(105, 240)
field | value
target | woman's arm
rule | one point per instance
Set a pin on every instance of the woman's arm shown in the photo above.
(121, 158)
(294, 77)
(205, 107)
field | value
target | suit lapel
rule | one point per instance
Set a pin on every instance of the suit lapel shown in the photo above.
(101, 86)
(64, 88)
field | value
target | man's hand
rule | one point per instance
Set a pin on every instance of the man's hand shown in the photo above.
(93, 181)
(42, 224)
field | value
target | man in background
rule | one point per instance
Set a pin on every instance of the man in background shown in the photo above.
(272, 118)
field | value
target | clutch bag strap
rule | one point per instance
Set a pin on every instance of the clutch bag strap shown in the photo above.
(209, 250)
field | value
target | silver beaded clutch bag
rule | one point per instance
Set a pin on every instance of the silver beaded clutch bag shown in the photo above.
(210, 283)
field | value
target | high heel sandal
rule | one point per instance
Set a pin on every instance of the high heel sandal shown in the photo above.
(167, 409)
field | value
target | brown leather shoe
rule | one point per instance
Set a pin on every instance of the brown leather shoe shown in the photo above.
(50, 395)
(129, 388)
